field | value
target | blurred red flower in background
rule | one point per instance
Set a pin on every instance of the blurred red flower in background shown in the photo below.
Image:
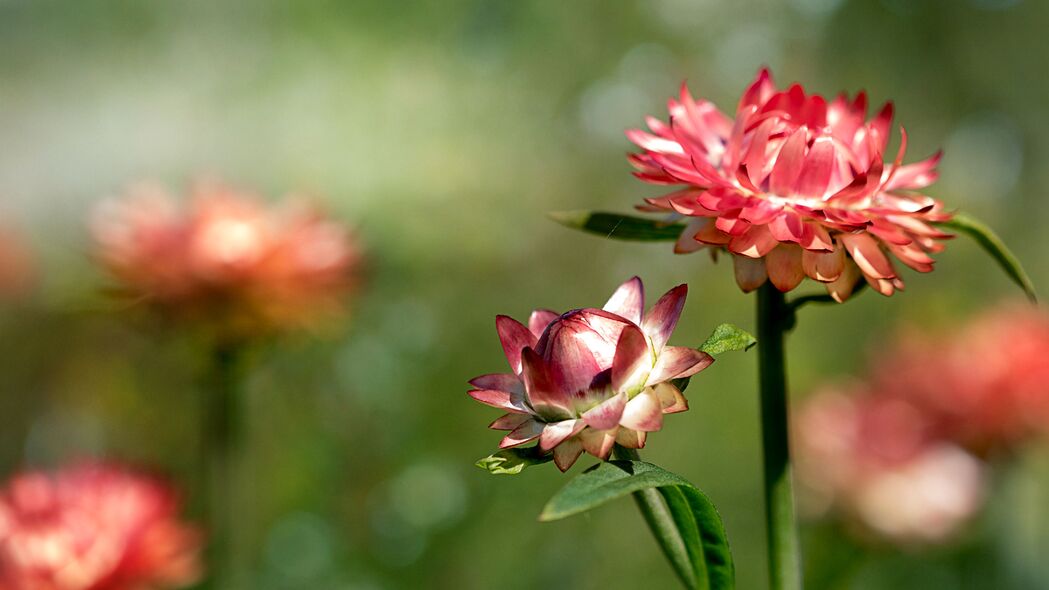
(590, 378)
(227, 257)
(93, 526)
(903, 452)
(17, 265)
(793, 186)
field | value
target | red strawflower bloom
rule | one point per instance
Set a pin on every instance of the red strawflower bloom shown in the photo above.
(877, 461)
(227, 257)
(590, 378)
(794, 186)
(93, 527)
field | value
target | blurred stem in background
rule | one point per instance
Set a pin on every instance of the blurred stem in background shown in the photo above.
(219, 463)
(784, 560)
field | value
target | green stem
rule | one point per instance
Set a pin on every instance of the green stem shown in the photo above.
(784, 561)
(654, 509)
(220, 447)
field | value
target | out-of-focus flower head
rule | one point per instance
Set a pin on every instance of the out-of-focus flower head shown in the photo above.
(93, 526)
(228, 258)
(17, 266)
(985, 386)
(877, 461)
(590, 378)
(793, 186)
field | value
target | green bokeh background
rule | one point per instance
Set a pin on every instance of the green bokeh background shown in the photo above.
(443, 131)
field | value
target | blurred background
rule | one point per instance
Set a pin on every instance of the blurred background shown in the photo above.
(443, 132)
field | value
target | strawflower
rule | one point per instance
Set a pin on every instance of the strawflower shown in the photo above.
(93, 526)
(590, 378)
(793, 186)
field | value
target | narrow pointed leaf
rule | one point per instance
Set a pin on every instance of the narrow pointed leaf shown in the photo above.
(993, 245)
(693, 537)
(513, 461)
(727, 338)
(620, 227)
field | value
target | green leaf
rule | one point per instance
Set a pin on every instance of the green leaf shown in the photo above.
(993, 245)
(728, 338)
(687, 526)
(620, 227)
(513, 461)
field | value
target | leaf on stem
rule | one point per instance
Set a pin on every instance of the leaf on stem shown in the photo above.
(513, 461)
(695, 544)
(993, 245)
(728, 338)
(620, 227)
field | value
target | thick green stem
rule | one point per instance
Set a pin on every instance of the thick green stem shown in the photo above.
(654, 509)
(220, 447)
(784, 560)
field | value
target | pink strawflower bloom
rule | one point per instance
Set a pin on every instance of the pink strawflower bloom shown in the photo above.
(590, 378)
(878, 462)
(793, 186)
(985, 386)
(93, 527)
(227, 257)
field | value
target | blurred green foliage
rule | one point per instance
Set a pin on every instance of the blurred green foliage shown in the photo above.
(444, 131)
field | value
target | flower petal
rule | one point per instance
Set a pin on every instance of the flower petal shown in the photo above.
(823, 266)
(566, 453)
(754, 243)
(509, 421)
(678, 361)
(542, 392)
(644, 412)
(556, 432)
(867, 254)
(503, 400)
(670, 398)
(784, 267)
(628, 301)
(539, 320)
(631, 439)
(750, 272)
(788, 163)
(526, 432)
(842, 287)
(514, 337)
(606, 415)
(598, 442)
(661, 320)
(632, 362)
(500, 382)
(815, 174)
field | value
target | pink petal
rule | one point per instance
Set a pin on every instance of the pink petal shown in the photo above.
(556, 432)
(598, 442)
(670, 398)
(678, 361)
(867, 254)
(784, 267)
(509, 421)
(687, 242)
(566, 453)
(881, 126)
(823, 266)
(498, 399)
(755, 243)
(750, 272)
(606, 414)
(539, 320)
(632, 362)
(628, 301)
(788, 164)
(842, 287)
(542, 391)
(631, 439)
(708, 233)
(730, 223)
(526, 432)
(499, 381)
(661, 320)
(815, 174)
(644, 412)
(514, 337)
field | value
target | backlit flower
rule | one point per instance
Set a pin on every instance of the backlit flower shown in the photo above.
(227, 257)
(590, 378)
(93, 527)
(879, 462)
(793, 186)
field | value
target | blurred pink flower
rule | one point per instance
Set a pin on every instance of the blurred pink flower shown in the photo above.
(877, 461)
(17, 266)
(93, 527)
(227, 257)
(984, 386)
(794, 186)
(590, 378)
